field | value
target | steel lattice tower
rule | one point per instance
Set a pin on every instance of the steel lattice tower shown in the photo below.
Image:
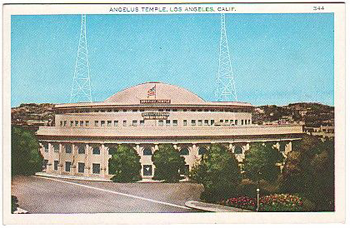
(81, 88)
(225, 84)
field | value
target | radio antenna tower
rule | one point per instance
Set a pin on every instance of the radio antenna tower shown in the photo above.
(81, 88)
(225, 84)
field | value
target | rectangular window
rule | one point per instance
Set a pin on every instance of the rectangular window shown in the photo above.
(167, 122)
(174, 110)
(245, 122)
(236, 122)
(109, 123)
(124, 123)
(103, 123)
(71, 123)
(160, 123)
(45, 163)
(193, 122)
(185, 122)
(226, 121)
(200, 122)
(95, 168)
(134, 123)
(115, 123)
(81, 123)
(96, 123)
(212, 122)
(87, 123)
(242, 122)
(221, 121)
(174, 123)
(67, 167)
(142, 122)
(206, 122)
(81, 167)
(76, 123)
(248, 121)
(61, 123)
(55, 165)
(147, 170)
(185, 110)
(134, 110)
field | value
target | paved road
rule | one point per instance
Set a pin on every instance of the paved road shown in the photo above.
(49, 195)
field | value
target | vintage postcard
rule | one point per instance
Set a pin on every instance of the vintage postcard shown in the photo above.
(162, 113)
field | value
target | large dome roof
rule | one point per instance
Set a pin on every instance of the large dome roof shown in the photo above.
(134, 94)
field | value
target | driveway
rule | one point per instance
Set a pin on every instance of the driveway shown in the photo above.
(49, 195)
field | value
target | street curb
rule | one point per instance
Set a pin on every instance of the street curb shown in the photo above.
(42, 174)
(210, 207)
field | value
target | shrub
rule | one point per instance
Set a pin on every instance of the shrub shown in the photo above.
(14, 204)
(219, 173)
(168, 163)
(25, 156)
(125, 165)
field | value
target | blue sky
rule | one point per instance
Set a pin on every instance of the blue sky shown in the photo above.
(276, 58)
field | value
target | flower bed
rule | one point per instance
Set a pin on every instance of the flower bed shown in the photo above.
(243, 202)
(275, 202)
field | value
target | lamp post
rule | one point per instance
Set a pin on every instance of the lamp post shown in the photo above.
(258, 193)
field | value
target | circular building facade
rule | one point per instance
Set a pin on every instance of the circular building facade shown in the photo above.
(144, 116)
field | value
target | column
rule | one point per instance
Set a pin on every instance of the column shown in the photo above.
(60, 159)
(87, 171)
(104, 165)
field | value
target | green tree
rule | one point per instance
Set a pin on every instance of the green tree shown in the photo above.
(260, 162)
(309, 170)
(25, 156)
(219, 173)
(125, 164)
(168, 163)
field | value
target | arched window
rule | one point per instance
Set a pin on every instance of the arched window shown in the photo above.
(112, 151)
(96, 150)
(238, 150)
(202, 150)
(68, 148)
(184, 151)
(81, 149)
(147, 151)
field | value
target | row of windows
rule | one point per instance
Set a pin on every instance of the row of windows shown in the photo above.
(147, 151)
(96, 167)
(159, 110)
(115, 123)
(68, 149)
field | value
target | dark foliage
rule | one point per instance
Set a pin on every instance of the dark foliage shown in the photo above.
(25, 156)
(219, 173)
(168, 163)
(260, 162)
(125, 165)
(309, 170)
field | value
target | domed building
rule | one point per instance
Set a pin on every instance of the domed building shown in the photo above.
(144, 116)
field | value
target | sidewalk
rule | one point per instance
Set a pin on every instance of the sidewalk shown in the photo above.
(69, 177)
(212, 207)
